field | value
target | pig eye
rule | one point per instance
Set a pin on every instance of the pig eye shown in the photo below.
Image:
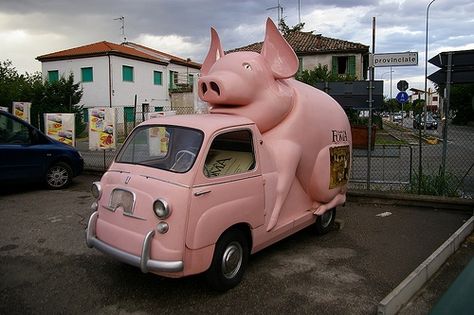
(247, 66)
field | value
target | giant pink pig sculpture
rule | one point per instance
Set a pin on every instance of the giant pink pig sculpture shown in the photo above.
(303, 127)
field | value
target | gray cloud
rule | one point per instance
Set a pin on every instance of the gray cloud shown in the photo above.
(30, 27)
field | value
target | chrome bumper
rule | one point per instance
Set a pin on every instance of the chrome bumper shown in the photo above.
(143, 262)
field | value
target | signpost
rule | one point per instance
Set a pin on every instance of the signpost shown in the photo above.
(402, 97)
(461, 67)
(402, 85)
(394, 59)
(457, 67)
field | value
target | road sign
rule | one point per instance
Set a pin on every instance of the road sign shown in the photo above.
(461, 58)
(394, 59)
(402, 85)
(354, 93)
(402, 97)
(461, 67)
(457, 76)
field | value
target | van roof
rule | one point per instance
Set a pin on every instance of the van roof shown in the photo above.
(205, 122)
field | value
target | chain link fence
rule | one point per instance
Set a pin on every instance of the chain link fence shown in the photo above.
(402, 159)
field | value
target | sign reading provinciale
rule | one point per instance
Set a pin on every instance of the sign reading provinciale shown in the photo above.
(394, 59)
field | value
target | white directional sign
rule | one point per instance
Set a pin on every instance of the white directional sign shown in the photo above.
(394, 59)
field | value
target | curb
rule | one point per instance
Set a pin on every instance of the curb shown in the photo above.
(392, 303)
(424, 201)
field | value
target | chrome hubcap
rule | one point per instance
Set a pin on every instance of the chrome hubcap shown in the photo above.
(232, 260)
(57, 176)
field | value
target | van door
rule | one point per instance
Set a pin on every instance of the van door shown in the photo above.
(229, 190)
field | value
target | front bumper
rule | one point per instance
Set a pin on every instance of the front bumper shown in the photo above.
(143, 262)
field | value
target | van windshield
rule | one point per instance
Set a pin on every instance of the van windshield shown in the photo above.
(169, 148)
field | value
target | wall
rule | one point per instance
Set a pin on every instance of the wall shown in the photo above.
(310, 62)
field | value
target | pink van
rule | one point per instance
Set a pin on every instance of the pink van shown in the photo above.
(193, 194)
(200, 193)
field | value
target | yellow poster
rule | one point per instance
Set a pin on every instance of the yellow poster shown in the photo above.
(339, 163)
(60, 126)
(22, 110)
(102, 128)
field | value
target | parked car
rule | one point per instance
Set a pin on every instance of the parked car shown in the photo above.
(28, 155)
(397, 117)
(431, 123)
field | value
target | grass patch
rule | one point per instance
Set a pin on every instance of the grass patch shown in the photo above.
(436, 184)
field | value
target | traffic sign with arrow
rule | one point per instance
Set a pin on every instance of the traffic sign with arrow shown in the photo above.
(402, 97)
(461, 67)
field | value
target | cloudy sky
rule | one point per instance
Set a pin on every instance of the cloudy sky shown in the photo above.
(29, 28)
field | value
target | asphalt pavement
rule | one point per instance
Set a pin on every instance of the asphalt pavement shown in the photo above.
(46, 268)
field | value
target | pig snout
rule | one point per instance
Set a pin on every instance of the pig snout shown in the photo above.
(226, 89)
(209, 88)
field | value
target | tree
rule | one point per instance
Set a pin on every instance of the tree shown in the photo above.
(62, 96)
(285, 29)
(462, 103)
(322, 74)
(15, 87)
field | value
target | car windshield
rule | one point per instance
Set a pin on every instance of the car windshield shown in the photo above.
(169, 148)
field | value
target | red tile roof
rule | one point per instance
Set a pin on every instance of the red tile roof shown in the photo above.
(307, 43)
(107, 48)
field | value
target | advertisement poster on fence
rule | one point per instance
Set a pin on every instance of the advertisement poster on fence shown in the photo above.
(102, 129)
(22, 110)
(60, 127)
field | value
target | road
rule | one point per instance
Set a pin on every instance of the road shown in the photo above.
(46, 268)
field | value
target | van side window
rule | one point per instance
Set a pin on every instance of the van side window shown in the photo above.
(230, 153)
(13, 132)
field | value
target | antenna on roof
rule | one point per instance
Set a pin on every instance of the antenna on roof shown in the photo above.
(122, 28)
(280, 11)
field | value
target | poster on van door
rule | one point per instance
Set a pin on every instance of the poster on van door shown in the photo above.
(22, 110)
(60, 126)
(102, 129)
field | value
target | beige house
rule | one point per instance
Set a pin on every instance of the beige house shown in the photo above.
(340, 56)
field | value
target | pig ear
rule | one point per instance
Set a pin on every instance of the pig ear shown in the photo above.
(214, 54)
(278, 53)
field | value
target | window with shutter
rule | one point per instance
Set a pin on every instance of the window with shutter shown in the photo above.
(87, 74)
(53, 75)
(127, 73)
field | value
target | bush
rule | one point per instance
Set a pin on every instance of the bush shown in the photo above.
(436, 184)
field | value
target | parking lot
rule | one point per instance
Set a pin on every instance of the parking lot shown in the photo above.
(45, 266)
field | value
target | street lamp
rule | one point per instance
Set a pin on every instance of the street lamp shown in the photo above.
(426, 61)
(381, 78)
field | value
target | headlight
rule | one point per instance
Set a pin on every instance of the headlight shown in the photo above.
(161, 209)
(96, 190)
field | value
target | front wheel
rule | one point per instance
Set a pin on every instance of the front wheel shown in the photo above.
(229, 261)
(59, 176)
(325, 222)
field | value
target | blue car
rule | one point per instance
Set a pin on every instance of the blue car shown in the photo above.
(28, 155)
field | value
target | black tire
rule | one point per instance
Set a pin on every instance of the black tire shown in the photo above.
(58, 176)
(325, 223)
(229, 262)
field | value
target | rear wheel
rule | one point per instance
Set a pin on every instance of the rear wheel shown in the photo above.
(229, 261)
(59, 176)
(325, 222)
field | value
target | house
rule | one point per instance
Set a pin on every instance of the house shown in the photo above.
(122, 75)
(433, 104)
(340, 56)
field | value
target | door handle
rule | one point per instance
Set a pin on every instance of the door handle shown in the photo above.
(200, 193)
